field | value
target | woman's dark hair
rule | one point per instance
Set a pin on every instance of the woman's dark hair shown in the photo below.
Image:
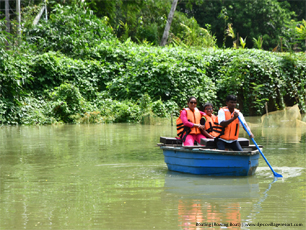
(231, 98)
(207, 104)
(189, 99)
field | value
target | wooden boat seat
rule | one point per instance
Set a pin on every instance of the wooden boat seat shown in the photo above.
(170, 140)
(244, 142)
(210, 143)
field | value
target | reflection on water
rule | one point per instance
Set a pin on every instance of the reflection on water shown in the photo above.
(222, 196)
(196, 186)
(194, 213)
(112, 176)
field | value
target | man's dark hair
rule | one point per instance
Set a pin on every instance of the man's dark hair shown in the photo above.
(207, 104)
(231, 98)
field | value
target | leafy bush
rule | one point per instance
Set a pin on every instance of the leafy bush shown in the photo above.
(257, 77)
(163, 74)
(36, 111)
(120, 111)
(122, 82)
(145, 103)
(159, 108)
(52, 69)
(126, 111)
(14, 74)
(67, 101)
(70, 29)
(148, 33)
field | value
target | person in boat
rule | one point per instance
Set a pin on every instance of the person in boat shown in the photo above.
(210, 122)
(229, 122)
(188, 123)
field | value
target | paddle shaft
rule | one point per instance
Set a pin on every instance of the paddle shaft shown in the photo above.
(275, 174)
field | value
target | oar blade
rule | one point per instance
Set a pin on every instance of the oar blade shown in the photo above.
(274, 173)
(277, 175)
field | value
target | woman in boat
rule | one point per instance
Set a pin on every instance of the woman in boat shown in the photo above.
(188, 123)
(210, 122)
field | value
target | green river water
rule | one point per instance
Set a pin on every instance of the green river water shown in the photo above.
(112, 176)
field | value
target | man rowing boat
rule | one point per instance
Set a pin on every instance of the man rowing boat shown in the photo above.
(227, 118)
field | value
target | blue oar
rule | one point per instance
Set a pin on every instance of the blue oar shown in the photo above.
(275, 174)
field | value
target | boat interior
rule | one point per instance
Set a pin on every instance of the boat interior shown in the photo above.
(205, 144)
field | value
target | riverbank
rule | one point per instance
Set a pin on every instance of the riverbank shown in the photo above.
(131, 81)
(90, 75)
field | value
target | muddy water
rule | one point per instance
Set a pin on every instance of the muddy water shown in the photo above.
(112, 176)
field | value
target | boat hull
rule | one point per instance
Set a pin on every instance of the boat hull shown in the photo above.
(211, 162)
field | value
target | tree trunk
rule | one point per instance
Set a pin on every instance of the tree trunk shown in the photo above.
(38, 16)
(169, 21)
(7, 16)
(46, 11)
(18, 17)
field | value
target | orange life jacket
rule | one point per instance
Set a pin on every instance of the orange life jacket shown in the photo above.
(193, 117)
(231, 132)
(212, 125)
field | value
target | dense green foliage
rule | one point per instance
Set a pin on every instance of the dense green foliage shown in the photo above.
(69, 33)
(249, 18)
(145, 20)
(132, 80)
(196, 22)
(78, 74)
(258, 77)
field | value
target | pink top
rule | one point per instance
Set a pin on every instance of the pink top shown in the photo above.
(185, 120)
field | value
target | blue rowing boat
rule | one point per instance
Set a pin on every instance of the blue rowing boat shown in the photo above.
(207, 160)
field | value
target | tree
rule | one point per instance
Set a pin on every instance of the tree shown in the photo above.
(169, 21)
(250, 18)
(70, 29)
(7, 16)
(301, 31)
(297, 8)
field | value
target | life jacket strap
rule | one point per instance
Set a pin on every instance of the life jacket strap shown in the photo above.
(236, 129)
(220, 130)
(183, 134)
